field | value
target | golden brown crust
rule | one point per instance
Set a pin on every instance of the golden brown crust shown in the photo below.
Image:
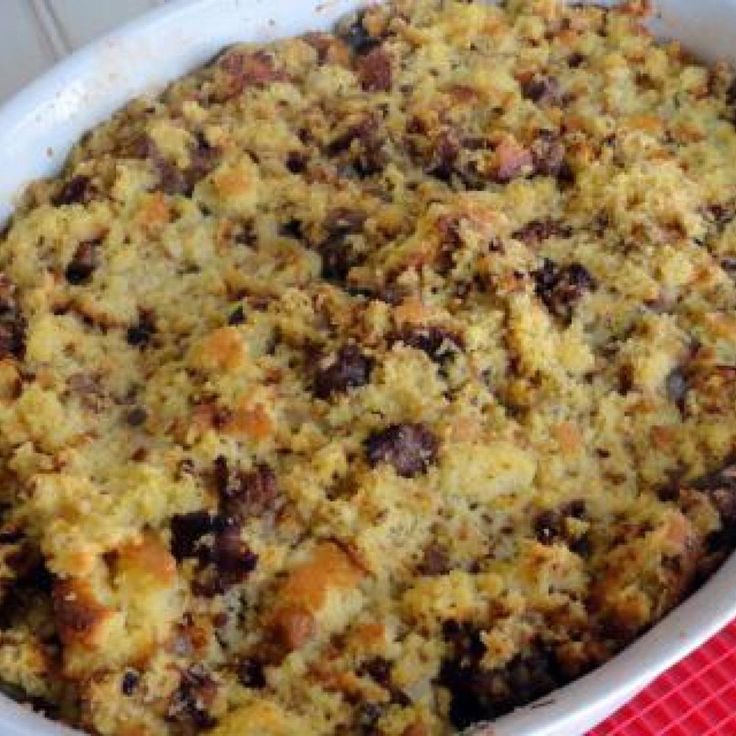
(370, 382)
(78, 614)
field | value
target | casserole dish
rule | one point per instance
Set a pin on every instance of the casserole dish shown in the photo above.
(56, 110)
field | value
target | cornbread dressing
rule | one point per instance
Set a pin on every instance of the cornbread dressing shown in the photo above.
(374, 382)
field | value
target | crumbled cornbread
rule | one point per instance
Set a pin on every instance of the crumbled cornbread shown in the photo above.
(373, 382)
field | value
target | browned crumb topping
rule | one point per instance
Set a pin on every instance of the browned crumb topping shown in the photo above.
(374, 382)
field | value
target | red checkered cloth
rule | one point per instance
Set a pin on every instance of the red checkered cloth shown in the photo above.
(695, 698)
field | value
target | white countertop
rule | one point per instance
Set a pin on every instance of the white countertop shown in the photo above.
(37, 33)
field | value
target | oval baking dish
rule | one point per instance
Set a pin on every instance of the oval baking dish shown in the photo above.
(39, 125)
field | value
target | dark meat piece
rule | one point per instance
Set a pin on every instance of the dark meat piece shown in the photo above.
(543, 90)
(246, 235)
(11, 536)
(227, 482)
(465, 639)
(714, 385)
(446, 152)
(139, 335)
(374, 70)
(392, 294)
(173, 180)
(322, 43)
(337, 260)
(537, 231)
(379, 670)
(720, 486)
(245, 69)
(731, 93)
(129, 682)
(296, 162)
(187, 531)
(224, 560)
(250, 674)
(371, 158)
(728, 264)
(202, 159)
(330, 48)
(435, 561)
(246, 494)
(20, 555)
(195, 694)
(237, 316)
(359, 132)
(292, 228)
(448, 229)
(31, 574)
(356, 36)
(721, 213)
(77, 190)
(437, 342)
(582, 546)
(548, 154)
(232, 558)
(366, 719)
(137, 416)
(338, 257)
(361, 147)
(443, 160)
(12, 339)
(576, 509)
(482, 695)
(409, 448)
(251, 69)
(561, 287)
(348, 369)
(625, 379)
(83, 263)
(12, 322)
(550, 527)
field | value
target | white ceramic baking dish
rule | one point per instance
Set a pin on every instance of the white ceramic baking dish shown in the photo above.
(38, 126)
